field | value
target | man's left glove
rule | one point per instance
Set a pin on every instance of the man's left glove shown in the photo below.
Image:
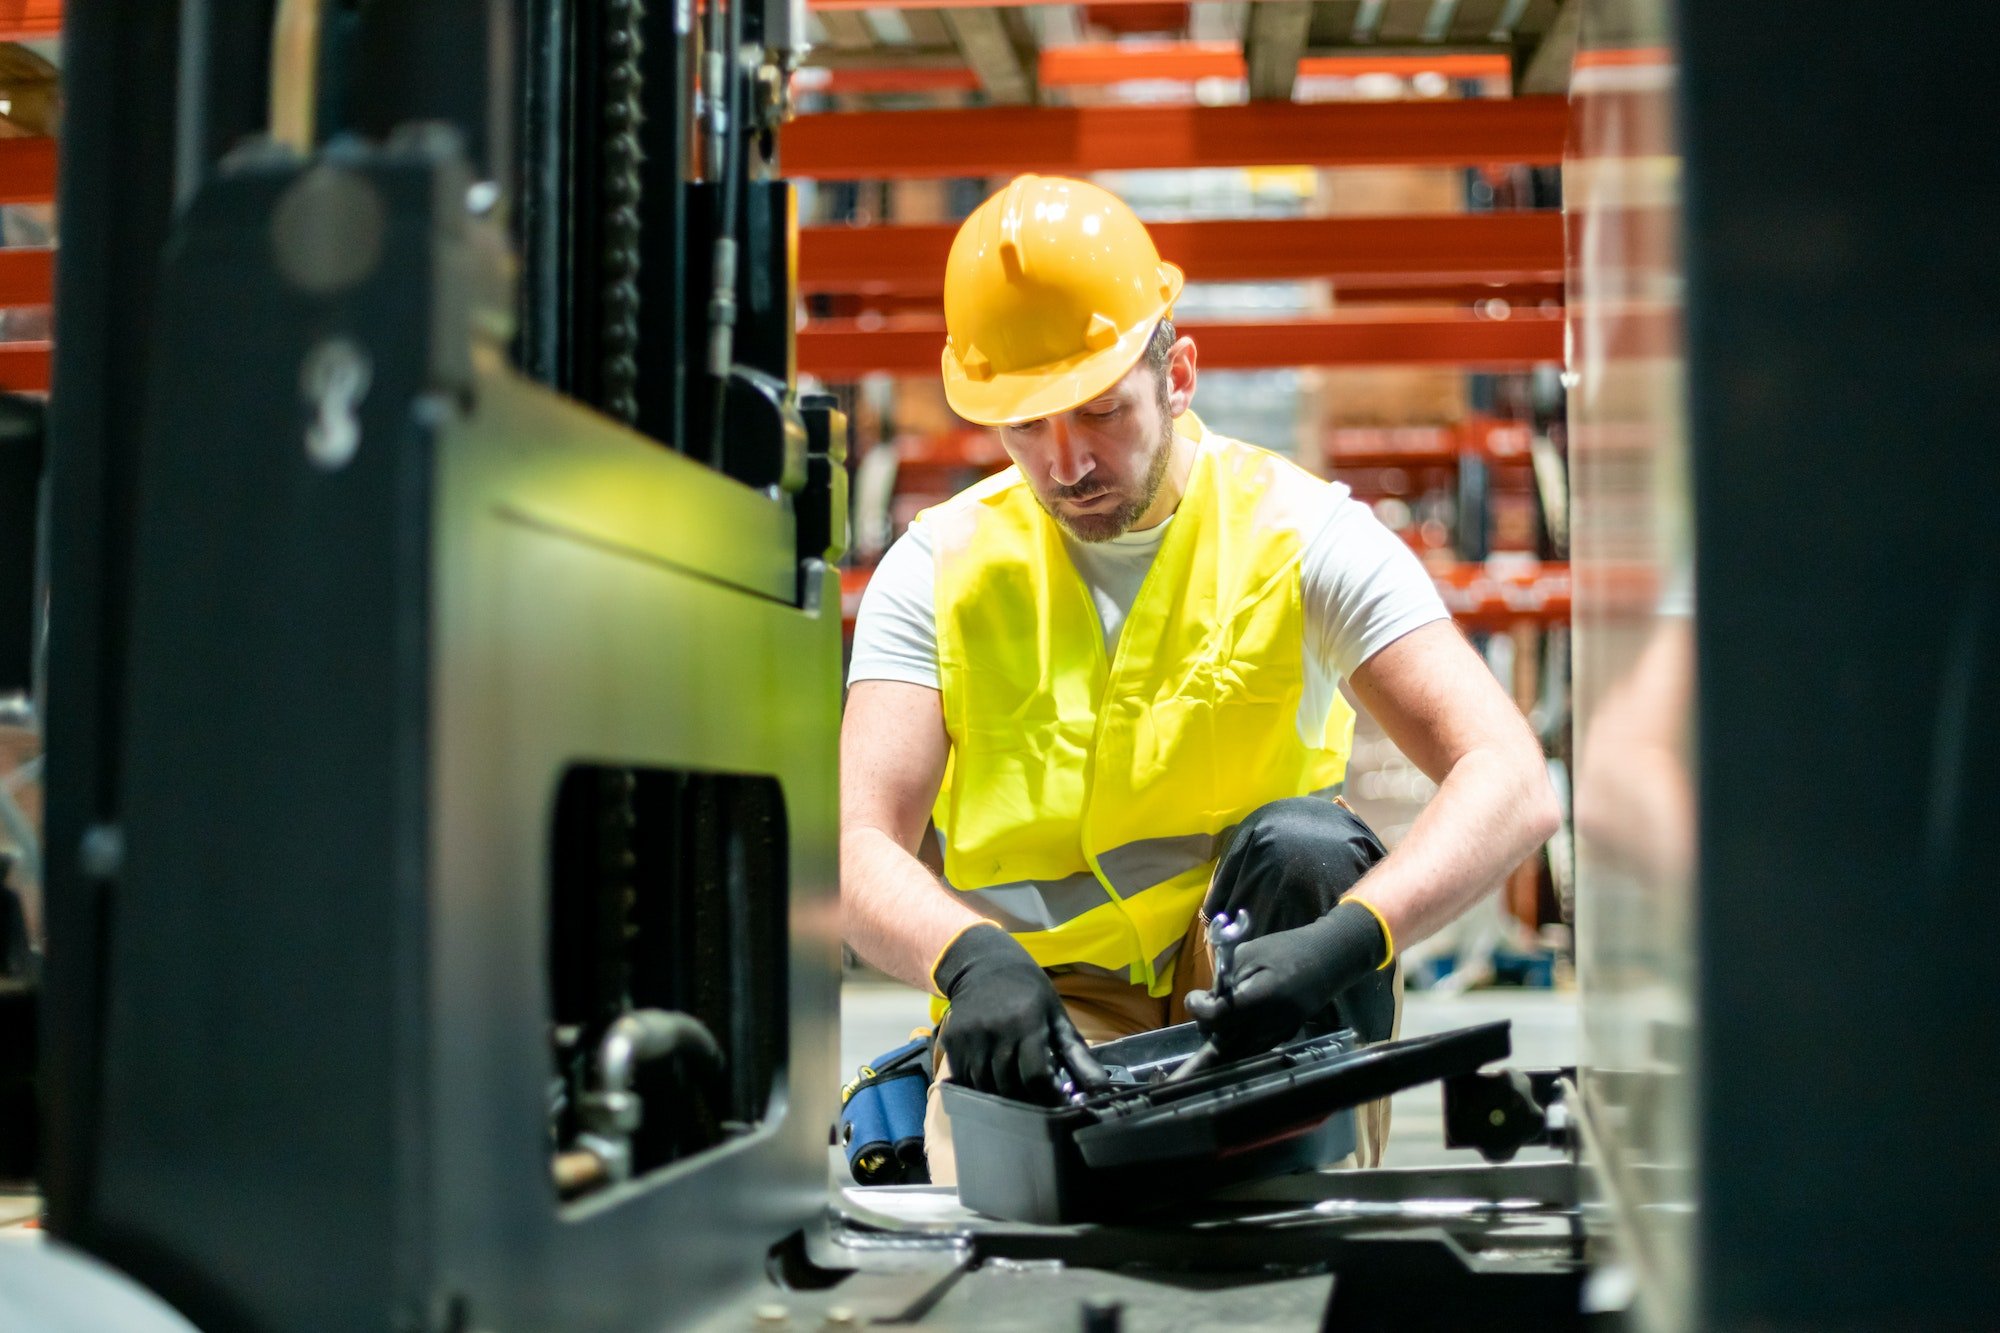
(1007, 1028)
(1282, 980)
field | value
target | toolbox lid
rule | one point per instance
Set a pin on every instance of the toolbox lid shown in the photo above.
(1289, 1092)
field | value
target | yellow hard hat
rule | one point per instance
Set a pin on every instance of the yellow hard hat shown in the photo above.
(1051, 293)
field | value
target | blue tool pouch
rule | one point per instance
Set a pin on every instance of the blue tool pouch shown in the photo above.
(882, 1117)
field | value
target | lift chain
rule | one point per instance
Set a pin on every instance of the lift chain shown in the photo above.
(622, 86)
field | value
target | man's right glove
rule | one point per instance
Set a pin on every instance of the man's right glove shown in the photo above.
(1285, 978)
(1007, 1027)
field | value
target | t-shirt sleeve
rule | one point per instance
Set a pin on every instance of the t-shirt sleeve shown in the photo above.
(895, 631)
(1363, 588)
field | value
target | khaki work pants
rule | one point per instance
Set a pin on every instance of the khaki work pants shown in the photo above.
(1105, 1008)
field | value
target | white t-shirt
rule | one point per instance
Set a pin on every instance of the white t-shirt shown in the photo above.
(1362, 589)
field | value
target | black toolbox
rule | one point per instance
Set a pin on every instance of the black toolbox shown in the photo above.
(1147, 1143)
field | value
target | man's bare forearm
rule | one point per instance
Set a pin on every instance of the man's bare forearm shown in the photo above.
(1493, 809)
(894, 912)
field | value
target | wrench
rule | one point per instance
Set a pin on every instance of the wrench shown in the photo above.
(1225, 932)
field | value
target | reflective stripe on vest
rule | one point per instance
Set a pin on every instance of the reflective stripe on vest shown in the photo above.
(1086, 802)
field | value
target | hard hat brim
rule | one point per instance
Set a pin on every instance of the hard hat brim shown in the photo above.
(1010, 398)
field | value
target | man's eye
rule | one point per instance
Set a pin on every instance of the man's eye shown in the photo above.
(1104, 414)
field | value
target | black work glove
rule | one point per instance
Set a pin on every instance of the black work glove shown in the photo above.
(1007, 1028)
(1283, 979)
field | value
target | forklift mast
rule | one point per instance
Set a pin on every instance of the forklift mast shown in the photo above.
(444, 668)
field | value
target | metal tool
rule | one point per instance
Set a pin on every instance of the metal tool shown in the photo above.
(1225, 931)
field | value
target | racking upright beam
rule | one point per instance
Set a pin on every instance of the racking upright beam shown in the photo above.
(995, 141)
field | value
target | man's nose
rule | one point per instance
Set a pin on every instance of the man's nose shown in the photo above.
(1069, 461)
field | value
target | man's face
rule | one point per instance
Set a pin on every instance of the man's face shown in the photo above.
(1097, 468)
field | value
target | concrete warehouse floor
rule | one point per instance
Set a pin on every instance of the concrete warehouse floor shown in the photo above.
(877, 1015)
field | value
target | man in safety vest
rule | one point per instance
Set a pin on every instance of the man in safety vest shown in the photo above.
(1110, 675)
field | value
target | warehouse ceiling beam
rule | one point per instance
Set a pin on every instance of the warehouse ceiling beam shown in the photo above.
(1476, 20)
(997, 47)
(841, 350)
(32, 91)
(1216, 20)
(1403, 21)
(1471, 247)
(1098, 64)
(944, 56)
(847, 29)
(998, 141)
(1273, 45)
(1545, 66)
(927, 27)
(1333, 22)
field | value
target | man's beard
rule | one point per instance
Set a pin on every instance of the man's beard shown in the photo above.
(1119, 521)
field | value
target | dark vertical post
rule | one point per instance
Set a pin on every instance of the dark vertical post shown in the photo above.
(1843, 387)
(224, 84)
(117, 194)
(447, 61)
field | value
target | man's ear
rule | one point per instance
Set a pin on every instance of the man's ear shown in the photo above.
(1181, 375)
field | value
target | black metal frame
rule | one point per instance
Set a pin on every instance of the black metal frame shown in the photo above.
(311, 710)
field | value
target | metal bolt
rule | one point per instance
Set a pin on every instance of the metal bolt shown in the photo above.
(842, 1317)
(773, 1316)
(1496, 1117)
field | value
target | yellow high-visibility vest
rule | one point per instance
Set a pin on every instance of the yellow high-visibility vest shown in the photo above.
(1086, 801)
